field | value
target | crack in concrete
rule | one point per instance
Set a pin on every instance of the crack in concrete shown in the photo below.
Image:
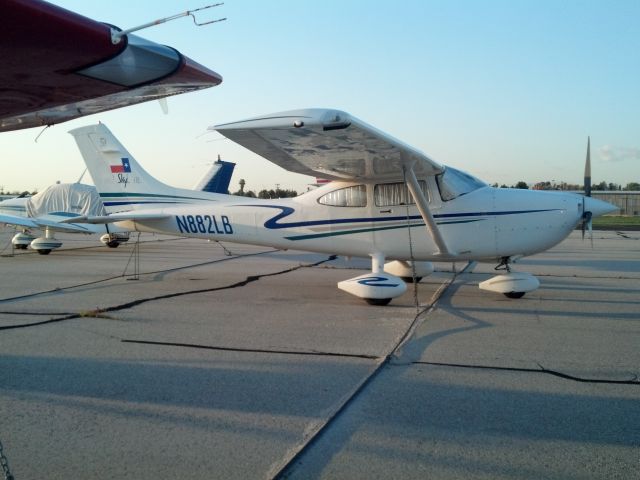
(255, 350)
(555, 373)
(134, 303)
(155, 272)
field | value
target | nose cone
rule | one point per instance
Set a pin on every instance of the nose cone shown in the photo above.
(598, 207)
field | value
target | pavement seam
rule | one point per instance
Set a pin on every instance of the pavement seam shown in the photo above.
(280, 469)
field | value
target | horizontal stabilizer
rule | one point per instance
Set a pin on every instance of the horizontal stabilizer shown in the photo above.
(118, 217)
(58, 226)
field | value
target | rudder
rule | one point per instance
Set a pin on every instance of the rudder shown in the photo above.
(122, 183)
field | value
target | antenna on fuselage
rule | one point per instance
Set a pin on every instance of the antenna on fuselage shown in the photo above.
(81, 176)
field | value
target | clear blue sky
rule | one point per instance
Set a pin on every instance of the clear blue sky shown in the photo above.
(507, 90)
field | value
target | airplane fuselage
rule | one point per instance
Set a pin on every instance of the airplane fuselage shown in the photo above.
(487, 223)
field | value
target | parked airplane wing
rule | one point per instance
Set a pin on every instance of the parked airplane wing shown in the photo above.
(15, 220)
(58, 65)
(328, 143)
(42, 223)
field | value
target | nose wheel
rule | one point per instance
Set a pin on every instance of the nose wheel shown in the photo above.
(510, 284)
(514, 294)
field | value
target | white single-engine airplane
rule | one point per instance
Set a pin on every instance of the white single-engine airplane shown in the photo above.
(387, 200)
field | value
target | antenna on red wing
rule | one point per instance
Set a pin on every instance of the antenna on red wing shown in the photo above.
(116, 35)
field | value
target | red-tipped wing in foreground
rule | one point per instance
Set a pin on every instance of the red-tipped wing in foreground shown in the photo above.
(58, 65)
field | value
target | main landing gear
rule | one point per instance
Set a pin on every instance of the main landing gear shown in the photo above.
(44, 245)
(22, 240)
(113, 240)
(510, 284)
(385, 282)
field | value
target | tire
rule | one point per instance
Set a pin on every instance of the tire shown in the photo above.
(20, 246)
(44, 251)
(378, 301)
(514, 294)
(113, 244)
(410, 279)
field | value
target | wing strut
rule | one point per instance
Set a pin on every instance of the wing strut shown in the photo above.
(423, 208)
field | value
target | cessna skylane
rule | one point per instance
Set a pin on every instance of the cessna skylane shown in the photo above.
(386, 200)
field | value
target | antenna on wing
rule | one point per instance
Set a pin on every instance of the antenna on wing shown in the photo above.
(116, 35)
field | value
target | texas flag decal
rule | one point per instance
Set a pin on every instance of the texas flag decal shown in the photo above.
(124, 166)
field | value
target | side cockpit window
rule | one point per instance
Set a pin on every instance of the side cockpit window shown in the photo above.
(354, 196)
(454, 183)
(389, 194)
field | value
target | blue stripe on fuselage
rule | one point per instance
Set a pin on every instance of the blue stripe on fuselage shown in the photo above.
(273, 224)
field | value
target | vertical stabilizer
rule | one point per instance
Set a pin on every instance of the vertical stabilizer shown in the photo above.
(122, 183)
(218, 178)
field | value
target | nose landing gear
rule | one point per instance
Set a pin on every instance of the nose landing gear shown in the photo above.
(510, 284)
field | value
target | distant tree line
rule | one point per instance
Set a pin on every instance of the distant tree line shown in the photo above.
(16, 192)
(602, 186)
(285, 193)
(272, 193)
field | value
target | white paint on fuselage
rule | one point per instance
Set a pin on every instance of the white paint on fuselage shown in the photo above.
(487, 223)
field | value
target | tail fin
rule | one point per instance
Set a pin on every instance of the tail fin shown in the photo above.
(122, 183)
(217, 179)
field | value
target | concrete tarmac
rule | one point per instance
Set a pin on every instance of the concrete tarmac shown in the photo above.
(233, 361)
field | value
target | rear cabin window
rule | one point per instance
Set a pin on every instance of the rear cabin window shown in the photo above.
(388, 194)
(355, 196)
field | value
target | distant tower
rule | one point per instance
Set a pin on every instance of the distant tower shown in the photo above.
(242, 182)
(587, 170)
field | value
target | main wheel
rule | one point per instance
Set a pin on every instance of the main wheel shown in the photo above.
(514, 294)
(410, 279)
(113, 244)
(378, 301)
(44, 251)
(20, 246)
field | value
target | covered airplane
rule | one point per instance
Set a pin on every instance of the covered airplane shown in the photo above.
(47, 210)
(387, 200)
(58, 65)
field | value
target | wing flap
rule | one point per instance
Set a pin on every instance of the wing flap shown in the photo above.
(328, 143)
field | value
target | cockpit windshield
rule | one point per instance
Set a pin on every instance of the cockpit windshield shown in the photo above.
(453, 183)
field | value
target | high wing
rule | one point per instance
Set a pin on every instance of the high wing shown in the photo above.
(328, 143)
(336, 145)
(58, 65)
(40, 222)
